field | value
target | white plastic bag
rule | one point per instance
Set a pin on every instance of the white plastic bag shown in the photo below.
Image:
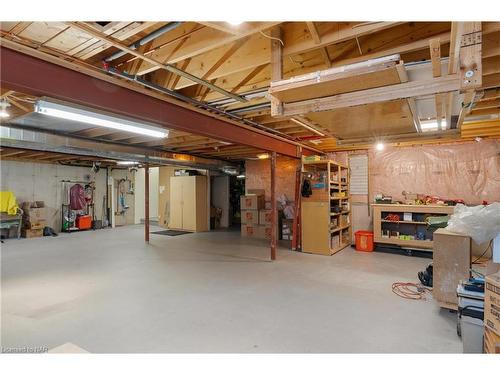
(481, 223)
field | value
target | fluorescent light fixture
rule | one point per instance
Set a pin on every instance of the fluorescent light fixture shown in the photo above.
(263, 156)
(240, 176)
(307, 126)
(126, 162)
(431, 125)
(380, 146)
(81, 114)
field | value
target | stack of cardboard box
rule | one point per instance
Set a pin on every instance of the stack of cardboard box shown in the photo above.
(492, 314)
(255, 219)
(34, 219)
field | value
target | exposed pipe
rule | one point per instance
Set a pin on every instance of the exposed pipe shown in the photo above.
(169, 67)
(195, 102)
(250, 108)
(155, 34)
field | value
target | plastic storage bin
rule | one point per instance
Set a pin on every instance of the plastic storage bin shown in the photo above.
(364, 240)
(84, 222)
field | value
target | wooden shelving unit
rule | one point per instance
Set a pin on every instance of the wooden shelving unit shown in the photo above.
(406, 227)
(325, 216)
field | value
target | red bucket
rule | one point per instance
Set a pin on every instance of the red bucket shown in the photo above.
(364, 240)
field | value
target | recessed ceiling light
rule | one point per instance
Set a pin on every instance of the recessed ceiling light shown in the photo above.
(380, 146)
(234, 23)
(263, 156)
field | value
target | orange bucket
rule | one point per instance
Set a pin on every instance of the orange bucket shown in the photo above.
(364, 240)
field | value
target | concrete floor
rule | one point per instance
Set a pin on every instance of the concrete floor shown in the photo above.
(107, 291)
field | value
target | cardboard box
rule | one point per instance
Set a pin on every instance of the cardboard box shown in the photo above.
(251, 202)
(265, 217)
(491, 342)
(39, 224)
(264, 231)
(31, 233)
(249, 217)
(256, 192)
(492, 302)
(248, 230)
(35, 213)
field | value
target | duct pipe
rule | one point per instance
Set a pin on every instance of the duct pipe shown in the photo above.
(155, 34)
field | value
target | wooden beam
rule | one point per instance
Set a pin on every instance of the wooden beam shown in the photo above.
(87, 29)
(326, 57)
(495, 103)
(331, 81)
(276, 66)
(22, 107)
(470, 56)
(375, 95)
(223, 26)
(200, 41)
(344, 32)
(435, 49)
(314, 32)
(248, 78)
(470, 66)
(414, 114)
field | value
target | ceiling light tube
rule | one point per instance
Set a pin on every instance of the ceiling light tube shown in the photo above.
(88, 116)
(307, 127)
(126, 162)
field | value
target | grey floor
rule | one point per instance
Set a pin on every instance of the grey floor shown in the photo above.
(107, 291)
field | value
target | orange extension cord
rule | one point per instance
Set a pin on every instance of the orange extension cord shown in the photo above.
(411, 290)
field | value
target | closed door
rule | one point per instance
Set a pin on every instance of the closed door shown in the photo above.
(189, 203)
(176, 203)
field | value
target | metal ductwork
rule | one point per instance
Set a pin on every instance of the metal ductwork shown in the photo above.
(155, 34)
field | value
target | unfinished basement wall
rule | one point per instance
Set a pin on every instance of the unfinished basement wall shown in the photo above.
(468, 171)
(42, 182)
(258, 176)
(140, 195)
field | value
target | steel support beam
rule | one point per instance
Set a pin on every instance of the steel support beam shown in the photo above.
(30, 75)
(274, 208)
(146, 202)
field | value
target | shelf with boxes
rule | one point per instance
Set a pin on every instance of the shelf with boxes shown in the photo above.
(406, 225)
(326, 208)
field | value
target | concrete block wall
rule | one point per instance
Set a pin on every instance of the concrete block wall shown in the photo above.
(42, 181)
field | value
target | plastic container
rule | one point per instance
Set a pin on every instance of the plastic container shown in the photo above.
(472, 334)
(364, 240)
(84, 222)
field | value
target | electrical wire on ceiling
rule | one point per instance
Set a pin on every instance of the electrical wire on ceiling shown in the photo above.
(272, 37)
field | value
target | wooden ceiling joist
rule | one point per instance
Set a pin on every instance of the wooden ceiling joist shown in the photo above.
(374, 95)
